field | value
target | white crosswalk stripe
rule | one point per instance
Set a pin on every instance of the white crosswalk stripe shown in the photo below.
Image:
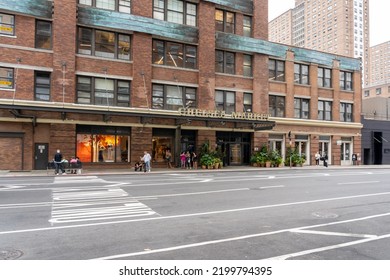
(77, 205)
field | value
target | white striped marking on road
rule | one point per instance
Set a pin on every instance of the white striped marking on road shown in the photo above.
(355, 183)
(71, 206)
(335, 233)
(272, 187)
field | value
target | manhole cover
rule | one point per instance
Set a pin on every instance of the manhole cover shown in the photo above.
(10, 254)
(324, 215)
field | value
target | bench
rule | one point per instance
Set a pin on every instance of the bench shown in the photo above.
(70, 168)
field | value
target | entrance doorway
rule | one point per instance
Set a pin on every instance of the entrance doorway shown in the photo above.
(41, 156)
(346, 152)
(235, 147)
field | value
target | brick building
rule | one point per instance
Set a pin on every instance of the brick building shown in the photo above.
(107, 79)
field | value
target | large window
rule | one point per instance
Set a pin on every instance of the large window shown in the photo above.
(248, 102)
(248, 71)
(103, 144)
(174, 54)
(103, 43)
(224, 21)
(171, 97)
(276, 70)
(277, 106)
(345, 80)
(224, 62)
(301, 74)
(247, 26)
(42, 86)
(301, 108)
(101, 91)
(176, 11)
(123, 6)
(325, 110)
(43, 34)
(6, 78)
(225, 101)
(346, 112)
(324, 77)
(7, 24)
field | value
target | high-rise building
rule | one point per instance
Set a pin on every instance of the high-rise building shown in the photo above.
(334, 26)
(108, 80)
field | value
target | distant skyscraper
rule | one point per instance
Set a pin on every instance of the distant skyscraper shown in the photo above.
(334, 26)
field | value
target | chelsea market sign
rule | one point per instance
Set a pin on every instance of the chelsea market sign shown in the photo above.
(217, 114)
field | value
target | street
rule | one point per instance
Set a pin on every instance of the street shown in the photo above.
(305, 214)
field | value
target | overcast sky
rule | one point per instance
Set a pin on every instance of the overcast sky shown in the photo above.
(379, 17)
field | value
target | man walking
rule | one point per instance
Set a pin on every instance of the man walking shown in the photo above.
(146, 159)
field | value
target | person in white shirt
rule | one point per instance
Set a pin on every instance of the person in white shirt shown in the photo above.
(146, 159)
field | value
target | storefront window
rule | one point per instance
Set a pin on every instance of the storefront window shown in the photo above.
(103, 147)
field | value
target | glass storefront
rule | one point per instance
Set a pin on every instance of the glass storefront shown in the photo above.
(235, 147)
(103, 144)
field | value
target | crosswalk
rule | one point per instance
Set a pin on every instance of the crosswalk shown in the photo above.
(86, 204)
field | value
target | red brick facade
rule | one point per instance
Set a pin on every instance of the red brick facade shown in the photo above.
(56, 123)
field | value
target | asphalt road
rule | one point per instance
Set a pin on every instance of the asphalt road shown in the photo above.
(247, 215)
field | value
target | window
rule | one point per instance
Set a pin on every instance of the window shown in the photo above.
(366, 93)
(225, 62)
(123, 6)
(168, 97)
(301, 74)
(224, 21)
(174, 54)
(248, 65)
(346, 112)
(225, 101)
(301, 108)
(276, 106)
(43, 34)
(177, 11)
(247, 26)
(378, 91)
(276, 70)
(42, 86)
(104, 44)
(103, 143)
(324, 77)
(325, 110)
(345, 80)
(101, 91)
(247, 102)
(6, 78)
(7, 24)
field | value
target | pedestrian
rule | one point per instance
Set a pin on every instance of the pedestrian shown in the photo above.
(325, 159)
(168, 158)
(194, 159)
(188, 160)
(59, 163)
(317, 157)
(146, 159)
(183, 160)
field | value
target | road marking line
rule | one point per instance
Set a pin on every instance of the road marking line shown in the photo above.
(193, 193)
(272, 187)
(205, 243)
(354, 183)
(335, 233)
(327, 248)
(212, 213)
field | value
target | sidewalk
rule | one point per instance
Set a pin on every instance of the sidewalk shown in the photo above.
(96, 172)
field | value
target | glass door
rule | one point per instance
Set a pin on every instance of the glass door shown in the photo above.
(346, 148)
(235, 154)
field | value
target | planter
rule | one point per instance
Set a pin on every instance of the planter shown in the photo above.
(268, 164)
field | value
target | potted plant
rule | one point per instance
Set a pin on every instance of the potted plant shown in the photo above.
(276, 158)
(206, 160)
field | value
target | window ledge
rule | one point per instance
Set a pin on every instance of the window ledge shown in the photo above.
(103, 58)
(8, 36)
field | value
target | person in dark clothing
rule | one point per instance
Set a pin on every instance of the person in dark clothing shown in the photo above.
(58, 162)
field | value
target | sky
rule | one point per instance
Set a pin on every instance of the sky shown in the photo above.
(379, 11)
